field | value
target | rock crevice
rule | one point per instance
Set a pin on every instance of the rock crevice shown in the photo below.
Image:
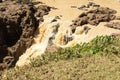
(18, 24)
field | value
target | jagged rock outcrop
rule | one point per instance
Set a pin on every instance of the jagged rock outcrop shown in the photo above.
(94, 17)
(18, 24)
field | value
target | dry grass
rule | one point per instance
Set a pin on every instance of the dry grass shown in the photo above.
(95, 67)
(103, 63)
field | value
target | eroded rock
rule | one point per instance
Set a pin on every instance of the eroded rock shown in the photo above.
(17, 26)
(115, 25)
(41, 11)
(94, 17)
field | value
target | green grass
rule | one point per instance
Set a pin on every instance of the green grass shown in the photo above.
(96, 60)
(100, 45)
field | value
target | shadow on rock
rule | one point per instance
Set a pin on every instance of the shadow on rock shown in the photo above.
(18, 24)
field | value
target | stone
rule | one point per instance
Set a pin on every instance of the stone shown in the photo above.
(115, 25)
(95, 16)
(52, 48)
(116, 35)
(81, 7)
(18, 23)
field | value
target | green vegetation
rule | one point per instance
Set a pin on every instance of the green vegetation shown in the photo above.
(100, 45)
(96, 60)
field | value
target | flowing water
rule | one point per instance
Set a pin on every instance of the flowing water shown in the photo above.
(59, 29)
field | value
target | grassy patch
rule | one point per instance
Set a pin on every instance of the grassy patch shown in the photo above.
(94, 67)
(100, 45)
(96, 60)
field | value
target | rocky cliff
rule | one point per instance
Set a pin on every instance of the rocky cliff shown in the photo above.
(18, 23)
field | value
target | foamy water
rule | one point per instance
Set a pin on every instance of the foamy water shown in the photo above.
(41, 42)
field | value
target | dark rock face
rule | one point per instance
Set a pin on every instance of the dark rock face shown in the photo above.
(17, 26)
(41, 11)
(3, 52)
(94, 17)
